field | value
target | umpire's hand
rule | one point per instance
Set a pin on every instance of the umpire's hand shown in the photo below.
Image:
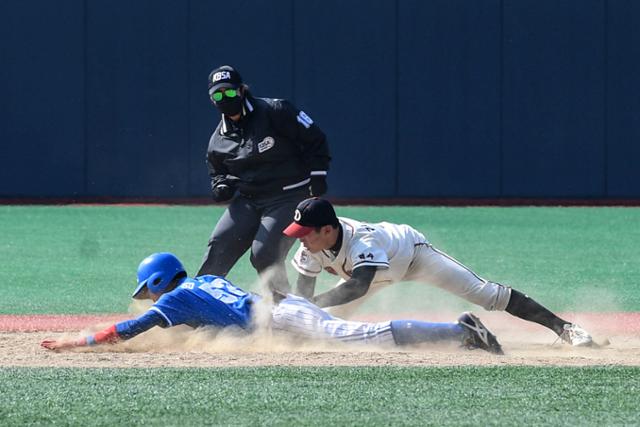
(222, 192)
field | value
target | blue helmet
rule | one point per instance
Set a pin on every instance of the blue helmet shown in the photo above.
(156, 272)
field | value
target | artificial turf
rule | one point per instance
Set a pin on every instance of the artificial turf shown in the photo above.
(321, 396)
(82, 259)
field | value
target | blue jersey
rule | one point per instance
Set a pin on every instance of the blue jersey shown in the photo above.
(205, 300)
(201, 301)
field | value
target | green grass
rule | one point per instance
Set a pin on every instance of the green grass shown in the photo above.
(82, 259)
(321, 396)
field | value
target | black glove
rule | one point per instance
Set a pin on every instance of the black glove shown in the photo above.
(318, 185)
(222, 192)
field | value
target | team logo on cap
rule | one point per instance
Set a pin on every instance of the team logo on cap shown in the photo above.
(297, 215)
(221, 75)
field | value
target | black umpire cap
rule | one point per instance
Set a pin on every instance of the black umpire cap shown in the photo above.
(310, 214)
(224, 77)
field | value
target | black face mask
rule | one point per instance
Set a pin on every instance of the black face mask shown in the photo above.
(229, 106)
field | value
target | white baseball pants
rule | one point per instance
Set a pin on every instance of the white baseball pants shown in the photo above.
(300, 317)
(434, 267)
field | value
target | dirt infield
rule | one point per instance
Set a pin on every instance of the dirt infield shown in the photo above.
(524, 344)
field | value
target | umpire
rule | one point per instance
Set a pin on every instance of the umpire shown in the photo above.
(265, 156)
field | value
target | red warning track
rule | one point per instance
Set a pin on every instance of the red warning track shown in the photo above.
(54, 322)
(619, 323)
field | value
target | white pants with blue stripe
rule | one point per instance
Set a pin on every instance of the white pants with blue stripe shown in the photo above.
(301, 318)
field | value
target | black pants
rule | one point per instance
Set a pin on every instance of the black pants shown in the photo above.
(255, 223)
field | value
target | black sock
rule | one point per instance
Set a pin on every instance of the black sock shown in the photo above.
(520, 305)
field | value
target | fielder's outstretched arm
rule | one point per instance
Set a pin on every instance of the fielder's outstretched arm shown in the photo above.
(348, 291)
(111, 335)
(305, 286)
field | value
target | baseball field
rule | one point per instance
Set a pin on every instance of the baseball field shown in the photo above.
(69, 270)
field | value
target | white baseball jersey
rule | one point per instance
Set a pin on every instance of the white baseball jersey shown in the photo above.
(400, 253)
(389, 247)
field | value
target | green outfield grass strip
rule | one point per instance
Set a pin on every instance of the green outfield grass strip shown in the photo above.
(82, 259)
(322, 396)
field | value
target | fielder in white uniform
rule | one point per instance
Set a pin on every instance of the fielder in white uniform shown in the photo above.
(369, 257)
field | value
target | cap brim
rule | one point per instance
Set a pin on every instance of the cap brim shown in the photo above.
(296, 230)
(141, 291)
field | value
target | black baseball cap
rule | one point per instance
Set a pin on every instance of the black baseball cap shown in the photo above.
(224, 77)
(311, 213)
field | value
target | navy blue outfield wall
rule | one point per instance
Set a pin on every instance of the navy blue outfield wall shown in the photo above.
(419, 98)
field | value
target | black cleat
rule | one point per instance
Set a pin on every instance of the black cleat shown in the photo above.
(477, 335)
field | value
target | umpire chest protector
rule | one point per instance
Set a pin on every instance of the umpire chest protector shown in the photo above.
(269, 150)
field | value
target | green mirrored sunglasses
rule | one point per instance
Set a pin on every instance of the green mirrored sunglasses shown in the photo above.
(229, 93)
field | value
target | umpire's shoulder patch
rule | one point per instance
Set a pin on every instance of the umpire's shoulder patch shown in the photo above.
(266, 144)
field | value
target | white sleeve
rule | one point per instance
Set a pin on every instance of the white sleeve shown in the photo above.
(305, 263)
(366, 252)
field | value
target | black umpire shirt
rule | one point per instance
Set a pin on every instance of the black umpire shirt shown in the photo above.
(273, 148)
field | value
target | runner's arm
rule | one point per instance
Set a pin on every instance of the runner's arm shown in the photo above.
(111, 335)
